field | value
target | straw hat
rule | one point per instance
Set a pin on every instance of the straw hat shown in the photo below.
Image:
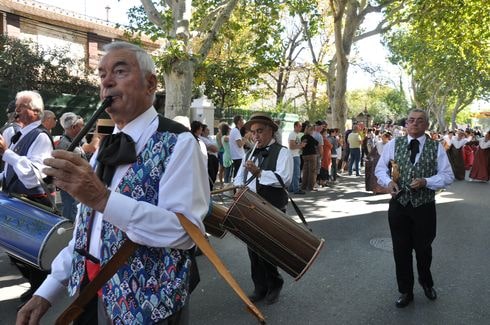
(262, 118)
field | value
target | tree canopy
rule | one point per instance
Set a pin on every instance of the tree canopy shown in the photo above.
(26, 65)
(445, 46)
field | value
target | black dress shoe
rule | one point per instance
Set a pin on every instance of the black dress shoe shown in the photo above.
(273, 295)
(430, 293)
(404, 300)
(257, 296)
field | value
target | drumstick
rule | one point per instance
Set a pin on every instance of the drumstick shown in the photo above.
(225, 189)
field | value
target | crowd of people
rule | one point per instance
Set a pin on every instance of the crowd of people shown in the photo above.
(321, 154)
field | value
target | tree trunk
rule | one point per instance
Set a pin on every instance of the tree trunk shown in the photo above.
(178, 89)
(344, 30)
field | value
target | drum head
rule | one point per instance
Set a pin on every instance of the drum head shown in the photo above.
(54, 242)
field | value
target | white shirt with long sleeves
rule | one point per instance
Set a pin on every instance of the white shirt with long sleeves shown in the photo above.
(39, 150)
(444, 176)
(284, 168)
(184, 188)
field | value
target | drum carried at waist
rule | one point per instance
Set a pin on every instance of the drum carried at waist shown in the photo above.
(266, 230)
(31, 233)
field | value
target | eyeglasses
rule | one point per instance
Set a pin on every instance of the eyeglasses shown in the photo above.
(415, 120)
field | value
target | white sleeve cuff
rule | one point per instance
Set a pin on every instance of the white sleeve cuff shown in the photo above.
(51, 290)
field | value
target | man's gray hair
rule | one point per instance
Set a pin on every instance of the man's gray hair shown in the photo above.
(418, 110)
(145, 62)
(36, 102)
(68, 119)
(47, 114)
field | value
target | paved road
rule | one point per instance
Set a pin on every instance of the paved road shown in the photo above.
(352, 281)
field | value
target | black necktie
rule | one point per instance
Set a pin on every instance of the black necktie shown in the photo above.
(414, 149)
(115, 149)
(15, 137)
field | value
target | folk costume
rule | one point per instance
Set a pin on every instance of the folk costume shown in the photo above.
(412, 213)
(455, 155)
(480, 170)
(29, 146)
(168, 175)
(273, 159)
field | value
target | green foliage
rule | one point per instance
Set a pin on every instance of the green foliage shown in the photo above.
(25, 65)
(247, 48)
(139, 23)
(174, 52)
(445, 45)
(382, 103)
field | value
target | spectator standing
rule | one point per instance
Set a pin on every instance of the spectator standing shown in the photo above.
(309, 159)
(295, 147)
(212, 150)
(354, 140)
(332, 137)
(49, 120)
(326, 159)
(227, 161)
(236, 143)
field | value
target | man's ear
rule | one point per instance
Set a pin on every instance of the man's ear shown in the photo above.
(151, 79)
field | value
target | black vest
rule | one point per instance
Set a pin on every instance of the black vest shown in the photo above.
(11, 182)
(276, 196)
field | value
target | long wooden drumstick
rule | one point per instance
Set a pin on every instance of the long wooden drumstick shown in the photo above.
(225, 189)
(208, 250)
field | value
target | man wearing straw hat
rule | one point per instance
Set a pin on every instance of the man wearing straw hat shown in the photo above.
(262, 170)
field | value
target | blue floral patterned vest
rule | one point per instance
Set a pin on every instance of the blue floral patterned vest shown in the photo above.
(425, 167)
(153, 284)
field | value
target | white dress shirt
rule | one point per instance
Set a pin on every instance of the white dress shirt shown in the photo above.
(184, 188)
(39, 150)
(443, 178)
(284, 168)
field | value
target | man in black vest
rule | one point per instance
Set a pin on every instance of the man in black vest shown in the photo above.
(22, 156)
(261, 171)
(423, 169)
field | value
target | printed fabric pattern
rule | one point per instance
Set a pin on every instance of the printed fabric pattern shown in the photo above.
(153, 284)
(425, 167)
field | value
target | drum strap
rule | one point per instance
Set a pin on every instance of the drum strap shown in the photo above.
(295, 206)
(76, 308)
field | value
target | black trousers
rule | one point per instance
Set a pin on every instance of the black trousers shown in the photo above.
(213, 165)
(412, 229)
(265, 275)
(236, 166)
